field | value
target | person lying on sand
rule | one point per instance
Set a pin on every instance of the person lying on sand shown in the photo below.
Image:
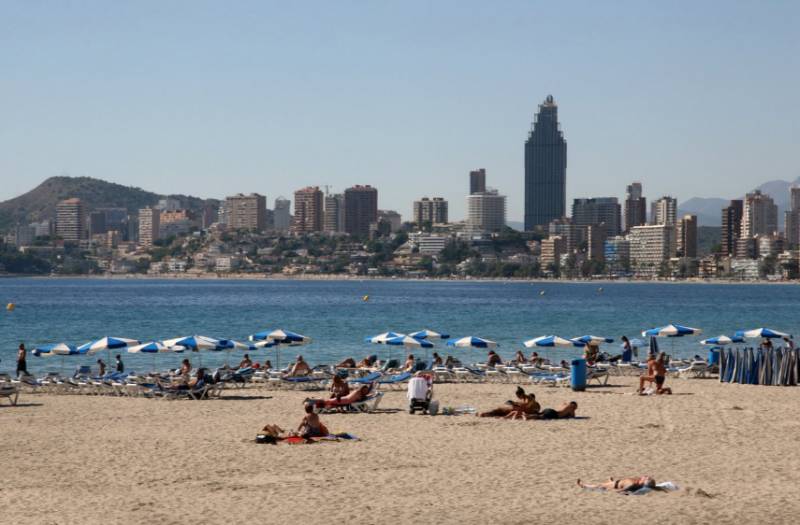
(524, 402)
(565, 412)
(622, 485)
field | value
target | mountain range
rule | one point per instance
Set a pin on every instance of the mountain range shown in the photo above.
(709, 210)
(40, 203)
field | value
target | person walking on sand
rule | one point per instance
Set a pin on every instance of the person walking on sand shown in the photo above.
(22, 360)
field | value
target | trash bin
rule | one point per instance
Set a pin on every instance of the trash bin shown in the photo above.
(713, 357)
(578, 375)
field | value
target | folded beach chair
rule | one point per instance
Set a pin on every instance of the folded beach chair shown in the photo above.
(10, 392)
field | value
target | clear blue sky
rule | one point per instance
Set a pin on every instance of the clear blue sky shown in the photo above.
(211, 98)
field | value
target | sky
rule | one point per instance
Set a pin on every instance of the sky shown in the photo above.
(213, 98)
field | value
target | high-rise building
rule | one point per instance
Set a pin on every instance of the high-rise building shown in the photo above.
(664, 211)
(333, 221)
(792, 219)
(617, 254)
(650, 246)
(282, 218)
(360, 209)
(477, 181)
(432, 210)
(308, 210)
(149, 226)
(545, 168)
(572, 235)
(760, 215)
(600, 210)
(71, 220)
(731, 227)
(596, 236)
(390, 217)
(553, 248)
(97, 223)
(635, 206)
(486, 212)
(246, 212)
(115, 218)
(686, 235)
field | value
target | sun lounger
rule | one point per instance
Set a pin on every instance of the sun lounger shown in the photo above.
(367, 379)
(597, 374)
(396, 381)
(10, 392)
(698, 369)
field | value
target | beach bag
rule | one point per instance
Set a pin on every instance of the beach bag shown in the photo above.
(266, 438)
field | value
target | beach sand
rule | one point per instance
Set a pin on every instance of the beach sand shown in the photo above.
(81, 459)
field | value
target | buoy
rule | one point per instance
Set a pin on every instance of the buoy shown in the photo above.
(10, 307)
(541, 292)
(365, 298)
(600, 290)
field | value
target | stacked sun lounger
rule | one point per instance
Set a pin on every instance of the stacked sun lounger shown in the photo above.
(772, 366)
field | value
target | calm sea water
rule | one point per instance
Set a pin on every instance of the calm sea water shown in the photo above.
(338, 320)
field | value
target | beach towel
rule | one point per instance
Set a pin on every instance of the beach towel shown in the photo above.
(297, 440)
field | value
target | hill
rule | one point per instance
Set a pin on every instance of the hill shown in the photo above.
(709, 210)
(40, 202)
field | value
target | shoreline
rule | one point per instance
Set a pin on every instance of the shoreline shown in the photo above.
(361, 278)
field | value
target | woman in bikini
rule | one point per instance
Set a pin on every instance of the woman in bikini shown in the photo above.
(622, 485)
(523, 400)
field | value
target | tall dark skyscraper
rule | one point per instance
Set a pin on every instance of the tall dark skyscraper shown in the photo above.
(545, 168)
(477, 181)
(731, 226)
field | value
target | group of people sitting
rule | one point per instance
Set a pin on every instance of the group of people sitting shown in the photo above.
(656, 374)
(526, 407)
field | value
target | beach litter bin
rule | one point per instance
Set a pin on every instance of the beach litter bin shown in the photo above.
(713, 357)
(578, 375)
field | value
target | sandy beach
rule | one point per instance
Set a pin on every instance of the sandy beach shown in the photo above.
(81, 459)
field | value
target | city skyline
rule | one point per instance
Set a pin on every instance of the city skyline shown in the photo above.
(146, 111)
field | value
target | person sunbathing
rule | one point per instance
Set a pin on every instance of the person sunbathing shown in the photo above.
(339, 388)
(410, 364)
(520, 358)
(186, 368)
(493, 359)
(246, 362)
(354, 396)
(300, 368)
(311, 426)
(347, 363)
(650, 375)
(523, 400)
(661, 374)
(525, 408)
(565, 412)
(622, 485)
(195, 382)
(437, 360)
(367, 362)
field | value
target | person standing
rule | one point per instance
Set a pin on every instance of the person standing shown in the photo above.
(120, 364)
(627, 350)
(22, 360)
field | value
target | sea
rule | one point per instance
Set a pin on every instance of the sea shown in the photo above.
(339, 315)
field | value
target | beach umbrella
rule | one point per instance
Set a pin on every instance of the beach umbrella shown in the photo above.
(107, 343)
(586, 339)
(279, 338)
(429, 334)
(154, 347)
(410, 342)
(722, 340)
(195, 343)
(551, 341)
(60, 349)
(472, 342)
(229, 345)
(381, 339)
(653, 345)
(762, 333)
(671, 330)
